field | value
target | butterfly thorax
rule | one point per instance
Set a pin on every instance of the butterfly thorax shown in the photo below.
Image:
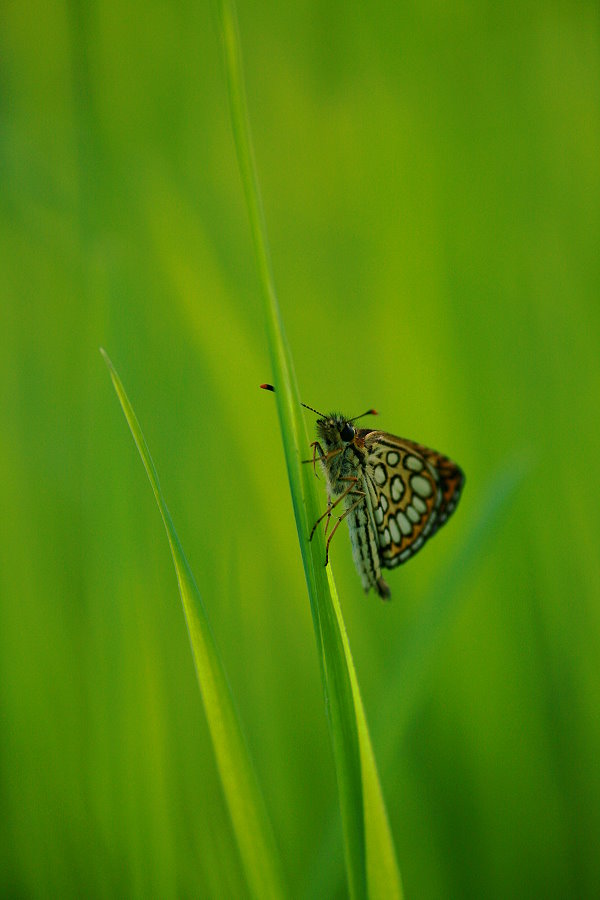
(341, 458)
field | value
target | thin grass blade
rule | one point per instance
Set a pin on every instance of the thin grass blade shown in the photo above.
(251, 824)
(370, 858)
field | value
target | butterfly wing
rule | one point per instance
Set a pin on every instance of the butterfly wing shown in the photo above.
(413, 491)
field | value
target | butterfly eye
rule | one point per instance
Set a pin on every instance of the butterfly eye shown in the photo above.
(347, 432)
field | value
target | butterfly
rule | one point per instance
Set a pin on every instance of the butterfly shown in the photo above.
(396, 494)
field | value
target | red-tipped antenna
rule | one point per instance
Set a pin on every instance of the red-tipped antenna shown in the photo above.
(369, 412)
(269, 387)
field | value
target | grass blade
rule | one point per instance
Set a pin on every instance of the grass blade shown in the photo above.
(370, 858)
(251, 824)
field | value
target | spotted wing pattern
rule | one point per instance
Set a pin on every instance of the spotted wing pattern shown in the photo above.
(412, 490)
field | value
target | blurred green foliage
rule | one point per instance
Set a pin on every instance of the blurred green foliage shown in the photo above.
(432, 190)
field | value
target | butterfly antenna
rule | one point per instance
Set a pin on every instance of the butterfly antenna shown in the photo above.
(269, 387)
(369, 412)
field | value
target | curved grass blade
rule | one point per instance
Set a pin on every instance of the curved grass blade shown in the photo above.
(251, 824)
(370, 859)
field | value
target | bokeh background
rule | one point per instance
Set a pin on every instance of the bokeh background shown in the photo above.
(431, 184)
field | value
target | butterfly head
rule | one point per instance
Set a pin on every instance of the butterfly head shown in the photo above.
(335, 431)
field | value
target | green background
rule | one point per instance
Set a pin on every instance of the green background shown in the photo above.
(431, 185)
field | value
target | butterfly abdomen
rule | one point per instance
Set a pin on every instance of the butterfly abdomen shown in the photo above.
(365, 550)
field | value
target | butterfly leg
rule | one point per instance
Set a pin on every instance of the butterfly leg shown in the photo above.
(316, 446)
(353, 479)
(322, 456)
(360, 495)
(331, 506)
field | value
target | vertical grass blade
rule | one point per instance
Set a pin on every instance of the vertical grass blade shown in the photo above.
(370, 858)
(251, 824)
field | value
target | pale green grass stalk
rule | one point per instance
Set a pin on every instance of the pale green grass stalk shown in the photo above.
(371, 864)
(251, 824)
